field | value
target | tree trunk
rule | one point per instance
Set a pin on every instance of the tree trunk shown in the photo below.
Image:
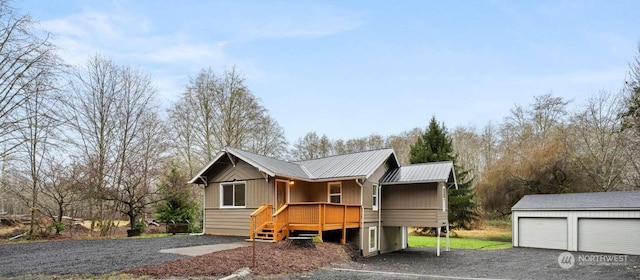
(132, 219)
(60, 212)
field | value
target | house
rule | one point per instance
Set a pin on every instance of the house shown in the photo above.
(605, 222)
(366, 198)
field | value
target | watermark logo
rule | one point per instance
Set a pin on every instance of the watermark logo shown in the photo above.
(566, 260)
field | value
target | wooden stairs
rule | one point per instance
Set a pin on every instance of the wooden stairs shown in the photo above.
(265, 233)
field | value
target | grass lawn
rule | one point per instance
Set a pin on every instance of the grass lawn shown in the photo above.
(492, 234)
(457, 243)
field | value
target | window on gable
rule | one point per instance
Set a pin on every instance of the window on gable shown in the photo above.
(335, 192)
(233, 194)
(374, 197)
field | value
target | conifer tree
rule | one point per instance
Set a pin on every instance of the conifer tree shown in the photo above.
(433, 146)
(178, 205)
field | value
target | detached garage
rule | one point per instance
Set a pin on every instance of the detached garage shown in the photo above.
(604, 222)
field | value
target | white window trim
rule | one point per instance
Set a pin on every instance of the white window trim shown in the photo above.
(375, 233)
(234, 194)
(444, 199)
(329, 195)
(374, 197)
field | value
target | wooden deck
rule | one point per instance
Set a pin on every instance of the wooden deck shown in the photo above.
(306, 216)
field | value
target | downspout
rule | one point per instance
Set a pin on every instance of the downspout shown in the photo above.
(204, 197)
(379, 231)
(361, 216)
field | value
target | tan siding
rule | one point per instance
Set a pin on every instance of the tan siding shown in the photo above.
(416, 196)
(318, 192)
(368, 185)
(228, 221)
(241, 171)
(391, 239)
(258, 190)
(299, 192)
(415, 217)
(350, 192)
(365, 249)
(370, 216)
(212, 196)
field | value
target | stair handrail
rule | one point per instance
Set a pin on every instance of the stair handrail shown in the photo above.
(259, 218)
(281, 223)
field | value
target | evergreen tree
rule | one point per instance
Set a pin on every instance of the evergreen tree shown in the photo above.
(178, 205)
(435, 145)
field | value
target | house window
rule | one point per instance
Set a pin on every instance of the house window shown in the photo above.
(373, 239)
(232, 194)
(374, 197)
(335, 192)
(444, 199)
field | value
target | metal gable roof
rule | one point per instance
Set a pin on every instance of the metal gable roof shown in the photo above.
(420, 173)
(580, 201)
(361, 164)
(271, 166)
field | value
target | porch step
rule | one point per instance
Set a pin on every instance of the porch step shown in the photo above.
(261, 240)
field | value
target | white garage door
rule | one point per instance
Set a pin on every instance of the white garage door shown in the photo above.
(548, 233)
(618, 236)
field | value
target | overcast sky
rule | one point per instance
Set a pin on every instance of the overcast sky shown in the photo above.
(351, 68)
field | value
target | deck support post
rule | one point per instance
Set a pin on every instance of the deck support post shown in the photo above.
(438, 242)
(447, 237)
(253, 238)
(320, 220)
(344, 226)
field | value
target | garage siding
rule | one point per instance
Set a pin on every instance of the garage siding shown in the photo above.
(543, 233)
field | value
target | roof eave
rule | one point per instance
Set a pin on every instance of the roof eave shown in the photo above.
(198, 176)
(260, 167)
(578, 209)
(453, 171)
(395, 159)
(412, 182)
(318, 180)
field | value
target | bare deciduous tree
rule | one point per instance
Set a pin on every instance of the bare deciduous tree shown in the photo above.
(61, 188)
(599, 144)
(217, 111)
(119, 136)
(25, 59)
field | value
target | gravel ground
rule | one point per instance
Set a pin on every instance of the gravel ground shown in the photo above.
(514, 263)
(94, 256)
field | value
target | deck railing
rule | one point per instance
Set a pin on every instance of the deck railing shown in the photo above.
(316, 216)
(281, 223)
(260, 218)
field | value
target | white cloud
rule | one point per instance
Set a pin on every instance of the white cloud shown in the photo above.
(303, 27)
(197, 52)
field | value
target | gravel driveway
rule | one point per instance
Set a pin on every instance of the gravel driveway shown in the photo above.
(514, 263)
(94, 256)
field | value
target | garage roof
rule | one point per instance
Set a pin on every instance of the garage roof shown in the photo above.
(580, 201)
